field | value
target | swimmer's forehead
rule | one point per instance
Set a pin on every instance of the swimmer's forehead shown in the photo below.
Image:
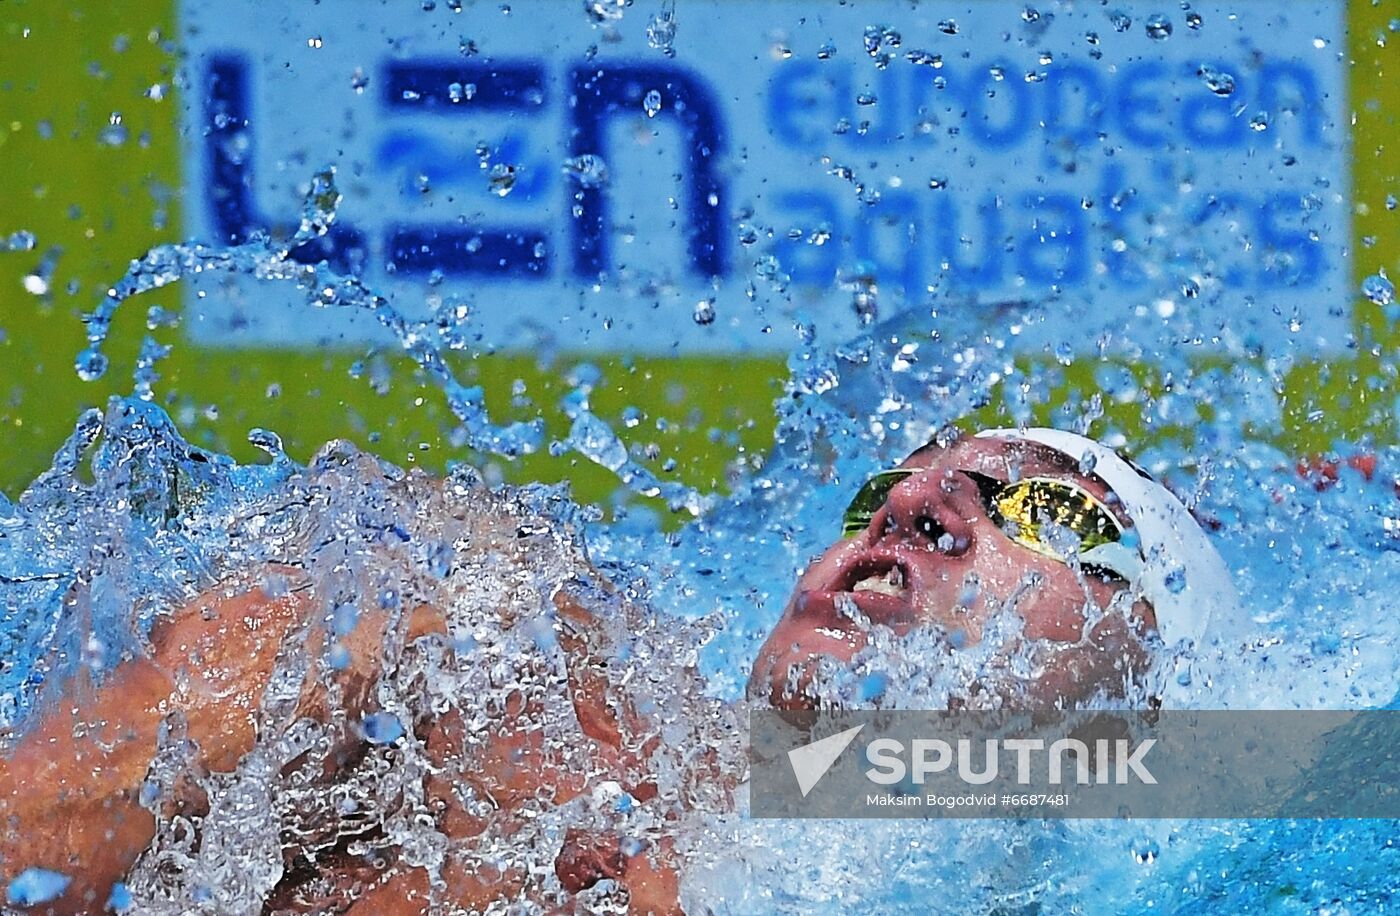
(1000, 458)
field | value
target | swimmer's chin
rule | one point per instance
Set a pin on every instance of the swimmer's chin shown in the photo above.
(824, 626)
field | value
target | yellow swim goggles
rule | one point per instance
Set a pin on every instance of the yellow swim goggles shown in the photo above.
(1025, 510)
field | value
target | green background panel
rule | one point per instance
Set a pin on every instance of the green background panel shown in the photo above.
(66, 70)
(62, 72)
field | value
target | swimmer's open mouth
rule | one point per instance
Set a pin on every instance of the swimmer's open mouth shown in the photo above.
(880, 586)
(892, 582)
(885, 575)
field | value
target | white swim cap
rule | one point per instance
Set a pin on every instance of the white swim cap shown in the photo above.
(1174, 565)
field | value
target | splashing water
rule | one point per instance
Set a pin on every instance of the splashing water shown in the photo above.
(425, 342)
(368, 546)
(131, 521)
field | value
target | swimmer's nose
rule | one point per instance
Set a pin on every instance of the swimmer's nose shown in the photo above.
(933, 509)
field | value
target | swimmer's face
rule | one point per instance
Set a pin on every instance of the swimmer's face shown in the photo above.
(913, 564)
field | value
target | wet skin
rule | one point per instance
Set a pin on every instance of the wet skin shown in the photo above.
(68, 793)
(909, 566)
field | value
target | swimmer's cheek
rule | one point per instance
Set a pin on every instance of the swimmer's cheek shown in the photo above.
(1110, 661)
(70, 803)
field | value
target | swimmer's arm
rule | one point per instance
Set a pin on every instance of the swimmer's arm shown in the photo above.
(69, 790)
(68, 793)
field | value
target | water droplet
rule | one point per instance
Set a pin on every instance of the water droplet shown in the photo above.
(1159, 27)
(1217, 81)
(593, 439)
(661, 30)
(34, 886)
(318, 207)
(971, 586)
(873, 686)
(588, 169)
(601, 11)
(1145, 850)
(502, 178)
(145, 375)
(948, 27)
(267, 441)
(1193, 20)
(1176, 580)
(1378, 288)
(872, 39)
(158, 316)
(359, 81)
(1121, 20)
(23, 240)
(651, 103)
(1260, 122)
(91, 364)
(115, 133)
(826, 51)
(339, 657)
(119, 900)
(865, 298)
(704, 312)
(381, 728)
